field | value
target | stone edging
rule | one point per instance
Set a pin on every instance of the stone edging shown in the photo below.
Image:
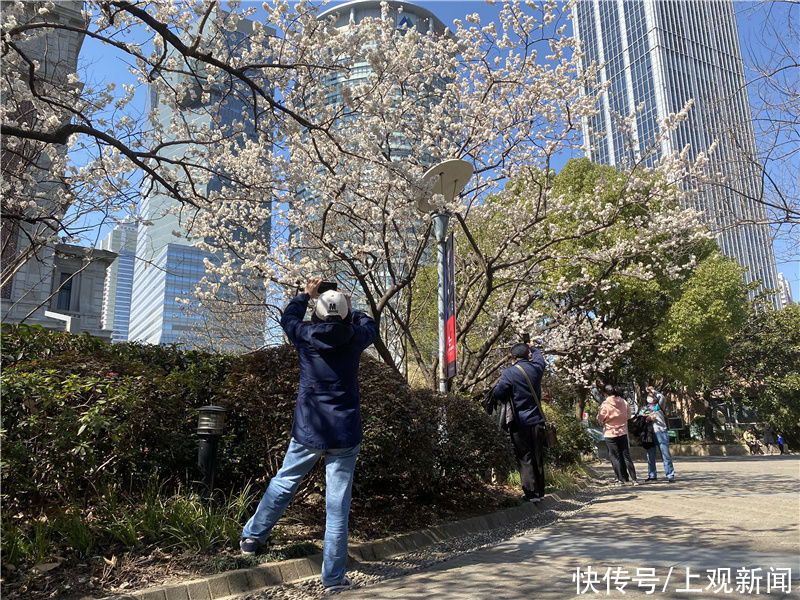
(639, 453)
(241, 581)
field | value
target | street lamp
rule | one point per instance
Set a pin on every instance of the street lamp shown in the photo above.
(447, 179)
(210, 423)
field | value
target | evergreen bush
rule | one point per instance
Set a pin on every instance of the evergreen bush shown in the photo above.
(100, 450)
(81, 416)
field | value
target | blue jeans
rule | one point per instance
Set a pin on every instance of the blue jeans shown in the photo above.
(662, 441)
(340, 465)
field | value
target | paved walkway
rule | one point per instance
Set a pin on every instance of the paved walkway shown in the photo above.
(739, 513)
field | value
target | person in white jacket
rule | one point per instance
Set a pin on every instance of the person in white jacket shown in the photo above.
(654, 411)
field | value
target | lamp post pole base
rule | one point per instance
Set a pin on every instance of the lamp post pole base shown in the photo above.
(207, 461)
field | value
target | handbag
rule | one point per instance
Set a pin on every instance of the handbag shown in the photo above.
(550, 436)
(507, 416)
(489, 402)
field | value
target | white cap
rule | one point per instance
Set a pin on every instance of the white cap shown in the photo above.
(331, 304)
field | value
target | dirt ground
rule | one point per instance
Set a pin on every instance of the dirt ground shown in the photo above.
(299, 533)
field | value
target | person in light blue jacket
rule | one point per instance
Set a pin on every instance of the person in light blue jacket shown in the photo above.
(654, 411)
(327, 421)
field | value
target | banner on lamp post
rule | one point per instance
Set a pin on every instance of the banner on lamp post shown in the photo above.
(450, 310)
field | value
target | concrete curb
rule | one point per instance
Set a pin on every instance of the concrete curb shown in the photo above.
(241, 581)
(639, 453)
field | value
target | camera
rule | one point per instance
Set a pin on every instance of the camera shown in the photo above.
(326, 286)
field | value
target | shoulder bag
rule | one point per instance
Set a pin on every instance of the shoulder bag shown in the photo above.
(550, 437)
(489, 402)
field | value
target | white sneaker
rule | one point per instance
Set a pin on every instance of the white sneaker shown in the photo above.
(345, 584)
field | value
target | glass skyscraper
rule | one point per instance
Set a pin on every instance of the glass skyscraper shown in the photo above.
(119, 280)
(657, 55)
(168, 263)
(784, 291)
(405, 16)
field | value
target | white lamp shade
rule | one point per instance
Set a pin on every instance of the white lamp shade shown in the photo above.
(211, 420)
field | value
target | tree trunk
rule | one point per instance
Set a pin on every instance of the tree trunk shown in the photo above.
(580, 402)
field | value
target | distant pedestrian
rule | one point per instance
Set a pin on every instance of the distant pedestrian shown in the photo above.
(613, 416)
(768, 438)
(781, 443)
(653, 410)
(521, 384)
(752, 442)
(327, 421)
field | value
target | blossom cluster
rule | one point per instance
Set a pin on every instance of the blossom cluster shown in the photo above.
(289, 146)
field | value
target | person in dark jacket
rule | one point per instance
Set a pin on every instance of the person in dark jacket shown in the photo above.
(327, 421)
(768, 438)
(527, 434)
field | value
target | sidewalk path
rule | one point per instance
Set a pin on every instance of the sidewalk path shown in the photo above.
(739, 513)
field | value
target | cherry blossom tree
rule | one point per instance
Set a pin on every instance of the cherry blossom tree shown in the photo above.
(312, 146)
(72, 151)
(551, 257)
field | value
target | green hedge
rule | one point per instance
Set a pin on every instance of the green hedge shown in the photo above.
(81, 417)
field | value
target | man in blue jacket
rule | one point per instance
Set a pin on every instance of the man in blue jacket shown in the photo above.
(327, 421)
(527, 433)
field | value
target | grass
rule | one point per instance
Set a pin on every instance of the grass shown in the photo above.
(25, 544)
(299, 550)
(180, 520)
(555, 479)
(168, 531)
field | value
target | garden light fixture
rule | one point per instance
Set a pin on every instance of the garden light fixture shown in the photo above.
(210, 424)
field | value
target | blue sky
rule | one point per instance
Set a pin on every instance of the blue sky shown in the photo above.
(97, 68)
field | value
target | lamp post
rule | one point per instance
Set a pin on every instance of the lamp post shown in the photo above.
(447, 179)
(210, 423)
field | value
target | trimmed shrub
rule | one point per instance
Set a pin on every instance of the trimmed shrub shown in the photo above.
(466, 449)
(89, 416)
(28, 342)
(259, 391)
(573, 442)
(412, 438)
(73, 424)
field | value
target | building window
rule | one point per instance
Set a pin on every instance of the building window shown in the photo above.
(64, 291)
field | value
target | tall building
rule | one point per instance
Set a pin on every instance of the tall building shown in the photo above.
(657, 55)
(169, 265)
(784, 291)
(29, 255)
(119, 280)
(406, 16)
